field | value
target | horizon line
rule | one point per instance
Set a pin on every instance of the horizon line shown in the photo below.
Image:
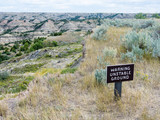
(83, 12)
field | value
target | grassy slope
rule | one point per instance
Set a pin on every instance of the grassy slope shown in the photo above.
(41, 64)
(79, 97)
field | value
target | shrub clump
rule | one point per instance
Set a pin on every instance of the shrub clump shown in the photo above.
(133, 39)
(139, 45)
(135, 54)
(155, 30)
(99, 33)
(3, 57)
(3, 75)
(134, 23)
(119, 22)
(108, 53)
(143, 24)
(101, 76)
(136, 44)
(156, 48)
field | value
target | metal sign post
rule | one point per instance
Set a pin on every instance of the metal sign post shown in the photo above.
(118, 73)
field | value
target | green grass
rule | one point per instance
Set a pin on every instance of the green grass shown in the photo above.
(14, 84)
(28, 68)
(75, 60)
(68, 70)
(69, 52)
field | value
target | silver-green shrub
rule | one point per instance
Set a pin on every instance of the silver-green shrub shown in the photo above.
(101, 75)
(131, 38)
(156, 48)
(108, 53)
(134, 55)
(143, 24)
(141, 39)
(99, 33)
(138, 52)
(119, 22)
(102, 62)
(136, 44)
(134, 23)
(155, 31)
(129, 55)
(147, 23)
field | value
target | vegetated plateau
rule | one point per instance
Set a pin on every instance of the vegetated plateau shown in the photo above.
(63, 75)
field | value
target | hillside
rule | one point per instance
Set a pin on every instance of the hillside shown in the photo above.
(39, 57)
(19, 26)
(67, 80)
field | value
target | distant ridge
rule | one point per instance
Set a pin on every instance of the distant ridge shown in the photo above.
(27, 25)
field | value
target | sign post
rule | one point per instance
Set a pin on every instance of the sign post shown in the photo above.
(117, 74)
(117, 90)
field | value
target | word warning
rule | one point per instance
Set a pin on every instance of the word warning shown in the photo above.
(118, 73)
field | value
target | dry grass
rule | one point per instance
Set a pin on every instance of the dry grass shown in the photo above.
(135, 95)
(66, 37)
(3, 109)
(78, 96)
(44, 101)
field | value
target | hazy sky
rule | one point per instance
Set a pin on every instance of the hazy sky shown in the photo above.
(107, 6)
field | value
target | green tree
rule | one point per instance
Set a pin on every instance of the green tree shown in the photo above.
(16, 46)
(140, 16)
(39, 39)
(1, 47)
(156, 16)
(13, 50)
(25, 47)
(26, 41)
(50, 43)
(18, 54)
(3, 57)
(56, 34)
(6, 51)
(36, 46)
